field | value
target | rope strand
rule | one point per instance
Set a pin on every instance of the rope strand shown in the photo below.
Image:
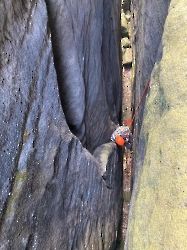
(141, 99)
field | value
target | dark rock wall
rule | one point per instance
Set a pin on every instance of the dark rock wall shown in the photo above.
(53, 195)
(85, 40)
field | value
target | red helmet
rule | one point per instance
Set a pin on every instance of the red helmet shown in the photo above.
(119, 140)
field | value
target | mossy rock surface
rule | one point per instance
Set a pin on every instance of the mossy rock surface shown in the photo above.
(124, 26)
(127, 56)
(158, 215)
(125, 42)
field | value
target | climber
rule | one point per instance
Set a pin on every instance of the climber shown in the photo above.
(122, 136)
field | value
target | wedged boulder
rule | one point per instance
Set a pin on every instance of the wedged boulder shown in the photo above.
(53, 194)
(125, 42)
(124, 26)
(127, 57)
(158, 207)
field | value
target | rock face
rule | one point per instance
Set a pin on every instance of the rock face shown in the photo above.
(149, 19)
(158, 207)
(88, 89)
(53, 195)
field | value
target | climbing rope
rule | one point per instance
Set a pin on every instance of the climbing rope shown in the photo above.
(129, 122)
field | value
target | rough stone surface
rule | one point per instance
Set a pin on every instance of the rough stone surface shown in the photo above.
(127, 57)
(53, 195)
(125, 5)
(158, 206)
(88, 84)
(125, 42)
(124, 26)
(148, 26)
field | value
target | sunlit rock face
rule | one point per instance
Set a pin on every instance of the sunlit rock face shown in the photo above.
(59, 58)
(158, 207)
(148, 21)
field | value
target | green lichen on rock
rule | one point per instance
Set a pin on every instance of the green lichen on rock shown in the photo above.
(25, 135)
(158, 214)
(20, 177)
